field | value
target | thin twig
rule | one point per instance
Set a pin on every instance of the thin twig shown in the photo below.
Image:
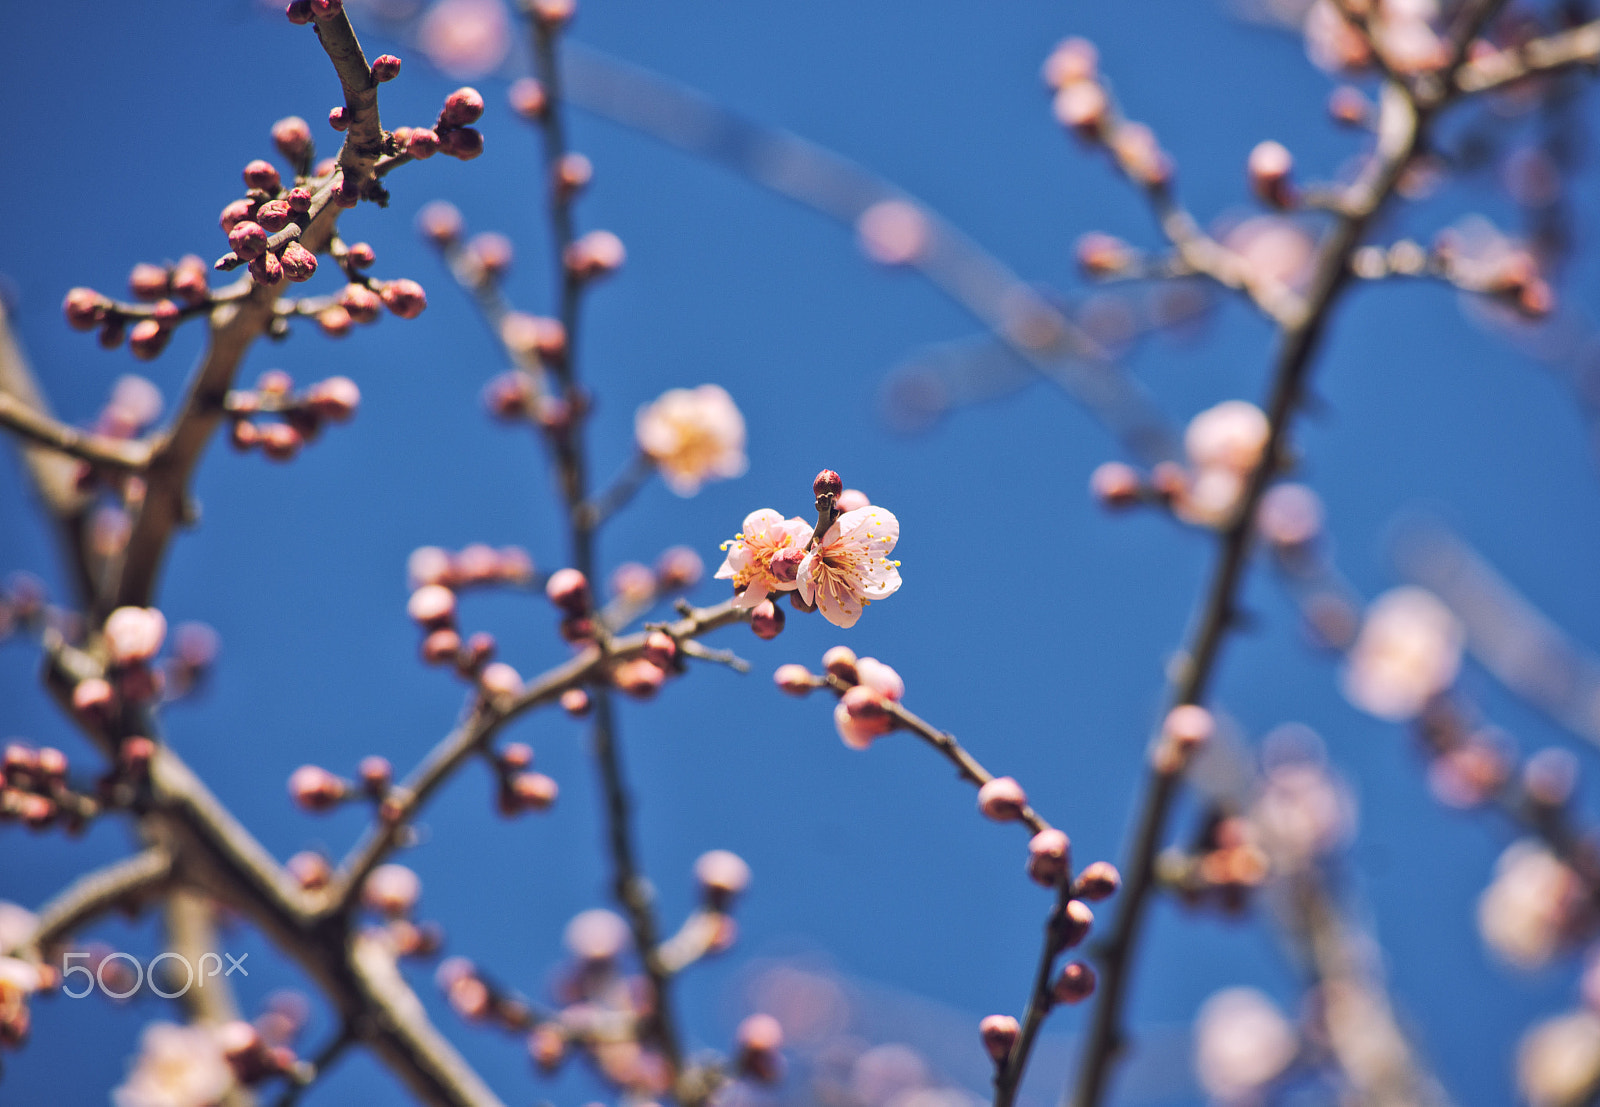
(97, 449)
(121, 884)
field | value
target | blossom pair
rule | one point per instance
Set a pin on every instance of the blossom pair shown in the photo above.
(842, 572)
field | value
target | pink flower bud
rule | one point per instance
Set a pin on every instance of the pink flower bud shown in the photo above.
(660, 648)
(299, 200)
(478, 652)
(852, 499)
(999, 1034)
(572, 174)
(386, 67)
(528, 792)
(528, 99)
(243, 435)
(795, 679)
(840, 661)
(314, 788)
(339, 118)
(595, 255)
(391, 890)
(299, 11)
(1269, 168)
(335, 398)
(310, 870)
(84, 309)
(51, 764)
(1073, 59)
(1116, 485)
(760, 1037)
(1002, 799)
(441, 647)
(577, 629)
(361, 255)
(267, 270)
(147, 282)
(405, 298)
(500, 679)
(874, 674)
(1099, 881)
(865, 704)
(1348, 107)
(248, 239)
(134, 754)
(189, 280)
(1082, 106)
(1075, 984)
(1049, 854)
(462, 107)
(552, 13)
(234, 214)
(785, 564)
(548, 1047)
(596, 935)
(464, 143)
(423, 143)
(492, 252)
(263, 175)
(299, 264)
(280, 441)
(639, 678)
(767, 620)
(165, 313)
(1072, 925)
(273, 215)
(1189, 726)
(432, 606)
(334, 321)
(275, 382)
(326, 9)
(440, 222)
(575, 702)
(111, 333)
(134, 634)
(568, 589)
(857, 733)
(722, 874)
(147, 339)
(292, 136)
(361, 302)
(827, 483)
(678, 568)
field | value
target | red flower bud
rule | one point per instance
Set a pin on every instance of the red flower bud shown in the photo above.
(572, 173)
(660, 648)
(575, 702)
(423, 144)
(248, 239)
(243, 435)
(527, 792)
(440, 222)
(568, 589)
(999, 1034)
(267, 269)
(299, 11)
(1269, 168)
(335, 398)
(594, 255)
(189, 280)
(405, 298)
(639, 678)
(528, 99)
(441, 647)
(299, 264)
(1002, 799)
(273, 215)
(1072, 925)
(462, 107)
(147, 339)
(299, 200)
(361, 302)
(1116, 485)
(1049, 856)
(361, 255)
(292, 136)
(385, 68)
(326, 9)
(147, 282)
(263, 175)
(84, 309)
(767, 620)
(314, 788)
(1075, 984)
(339, 118)
(235, 213)
(552, 14)
(280, 441)
(463, 142)
(334, 321)
(376, 774)
(432, 606)
(1099, 881)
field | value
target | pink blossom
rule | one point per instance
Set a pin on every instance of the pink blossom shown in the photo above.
(880, 678)
(134, 634)
(1409, 650)
(850, 567)
(1242, 1042)
(751, 554)
(465, 38)
(177, 1066)
(693, 435)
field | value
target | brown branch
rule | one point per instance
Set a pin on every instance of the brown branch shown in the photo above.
(120, 885)
(363, 141)
(1570, 49)
(1402, 129)
(97, 449)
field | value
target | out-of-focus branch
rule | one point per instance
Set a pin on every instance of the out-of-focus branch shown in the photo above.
(121, 884)
(1569, 49)
(1515, 641)
(192, 933)
(1402, 129)
(98, 449)
(1015, 312)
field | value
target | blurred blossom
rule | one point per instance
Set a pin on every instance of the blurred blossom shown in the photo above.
(1408, 650)
(882, 1074)
(16, 924)
(811, 1006)
(465, 38)
(893, 232)
(177, 1066)
(1303, 812)
(1527, 911)
(1274, 246)
(1223, 443)
(693, 435)
(134, 405)
(1331, 43)
(1558, 1061)
(1242, 1043)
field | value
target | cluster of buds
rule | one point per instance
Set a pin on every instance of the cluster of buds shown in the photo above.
(318, 791)
(432, 607)
(722, 876)
(1227, 863)
(34, 790)
(634, 586)
(299, 416)
(19, 980)
(254, 1057)
(452, 134)
(474, 566)
(130, 640)
(519, 788)
(1187, 729)
(263, 227)
(1479, 259)
(1082, 104)
(362, 300)
(166, 295)
(867, 690)
(391, 893)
